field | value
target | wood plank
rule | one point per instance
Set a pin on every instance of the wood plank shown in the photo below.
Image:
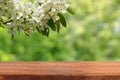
(59, 70)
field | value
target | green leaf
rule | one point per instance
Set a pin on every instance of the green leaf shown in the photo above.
(18, 29)
(62, 20)
(26, 34)
(58, 25)
(51, 24)
(37, 28)
(12, 36)
(70, 10)
(45, 32)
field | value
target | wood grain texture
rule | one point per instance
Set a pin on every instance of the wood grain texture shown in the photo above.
(59, 70)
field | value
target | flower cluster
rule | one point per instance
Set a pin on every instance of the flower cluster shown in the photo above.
(39, 15)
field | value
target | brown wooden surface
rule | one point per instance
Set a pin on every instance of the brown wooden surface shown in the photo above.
(59, 70)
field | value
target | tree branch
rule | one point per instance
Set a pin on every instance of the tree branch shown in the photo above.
(8, 21)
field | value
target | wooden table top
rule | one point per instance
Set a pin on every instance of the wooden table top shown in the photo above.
(60, 70)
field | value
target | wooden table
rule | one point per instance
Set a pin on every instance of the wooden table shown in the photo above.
(59, 70)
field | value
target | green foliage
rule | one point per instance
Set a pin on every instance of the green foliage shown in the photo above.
(93, 33)
(62, 20)
(52, 24)
(55, 26)
(70, 10)
(58, 25)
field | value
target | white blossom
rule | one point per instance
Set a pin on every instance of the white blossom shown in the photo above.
(27, 16)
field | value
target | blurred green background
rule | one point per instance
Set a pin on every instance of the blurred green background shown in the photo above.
(93, 34)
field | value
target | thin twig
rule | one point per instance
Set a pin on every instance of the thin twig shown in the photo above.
(8, 21)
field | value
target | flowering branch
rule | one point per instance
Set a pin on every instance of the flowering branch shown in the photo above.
(39, 15)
